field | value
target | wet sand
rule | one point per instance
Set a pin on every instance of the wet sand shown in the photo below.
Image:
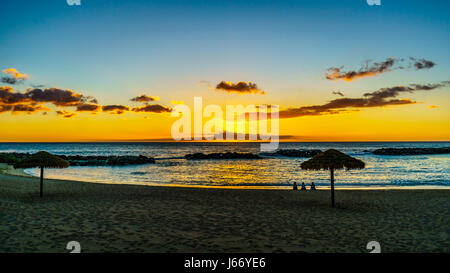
(130, 218)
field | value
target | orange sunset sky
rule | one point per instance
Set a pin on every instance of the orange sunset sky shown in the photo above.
(103, 72)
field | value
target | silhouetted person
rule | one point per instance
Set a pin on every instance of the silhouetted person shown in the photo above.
(303, 186)
(313, 186)
(294, 187)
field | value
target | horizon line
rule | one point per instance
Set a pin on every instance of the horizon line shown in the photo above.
(215, 141)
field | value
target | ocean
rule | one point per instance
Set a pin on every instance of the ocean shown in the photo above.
(171, 169)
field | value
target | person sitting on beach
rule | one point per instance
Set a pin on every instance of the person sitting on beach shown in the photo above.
(303, 186)
(313, 186)
(294, 187)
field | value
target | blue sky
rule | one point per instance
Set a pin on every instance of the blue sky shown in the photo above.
(113, 48)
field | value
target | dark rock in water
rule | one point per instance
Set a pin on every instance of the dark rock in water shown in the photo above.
(294, 153)
(8, 158)
(11, 158)
(78, 160)
(234, 155)
(298, 153)
(412, 151)
(90, 160)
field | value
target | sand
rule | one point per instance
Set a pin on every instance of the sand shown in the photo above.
(130, 218)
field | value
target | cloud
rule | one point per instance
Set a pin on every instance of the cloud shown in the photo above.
(433, 106)
(239, 87)
(207, 83)
(422, 63)
(145, 98)
(32, 100)
(65, 114)
(379, 98)
(10, 80)
(16, 74)
(115, 109)
(154, 108)
(369, 69)
(396, 90)
(338, 93)
(27, 108)
(88, 107)
(177, 102)
(59, 97)
(373, 69)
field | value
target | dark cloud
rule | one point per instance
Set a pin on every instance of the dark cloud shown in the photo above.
(28, 108)
(115, 109)
(239, 87)
(10, 80)
(396, 90)
(145, 98)
(5, 108)
(379, 98)
(58, 97)
(373, 69)
(338, 93)
(88, 107)
(65, 114)
(154, 108)
(32, 100)
(422, 63)
(7, 96)
(369, 69)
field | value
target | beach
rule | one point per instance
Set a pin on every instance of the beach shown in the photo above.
(132, 218)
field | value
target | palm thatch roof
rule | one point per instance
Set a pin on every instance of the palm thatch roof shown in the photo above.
(332, 159)
(42, 160)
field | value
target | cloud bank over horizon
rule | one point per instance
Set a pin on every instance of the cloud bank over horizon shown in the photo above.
(33, 100)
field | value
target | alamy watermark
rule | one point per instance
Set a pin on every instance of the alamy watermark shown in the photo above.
(262, 121)
(74, 246)
(373, 2)
(73, 2)
(374, 246)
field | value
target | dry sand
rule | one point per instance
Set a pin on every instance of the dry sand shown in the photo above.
(129, 218)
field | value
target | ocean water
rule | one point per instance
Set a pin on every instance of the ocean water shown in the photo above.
(278, 172)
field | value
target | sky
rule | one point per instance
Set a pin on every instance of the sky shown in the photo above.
(339, 70)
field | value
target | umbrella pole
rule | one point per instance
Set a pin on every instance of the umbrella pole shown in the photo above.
(332, 187)
(42, 182)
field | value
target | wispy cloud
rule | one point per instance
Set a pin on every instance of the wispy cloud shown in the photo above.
(338, 93)
(373, 69)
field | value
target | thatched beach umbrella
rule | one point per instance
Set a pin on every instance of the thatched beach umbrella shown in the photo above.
(332, 160)
(42, 160)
